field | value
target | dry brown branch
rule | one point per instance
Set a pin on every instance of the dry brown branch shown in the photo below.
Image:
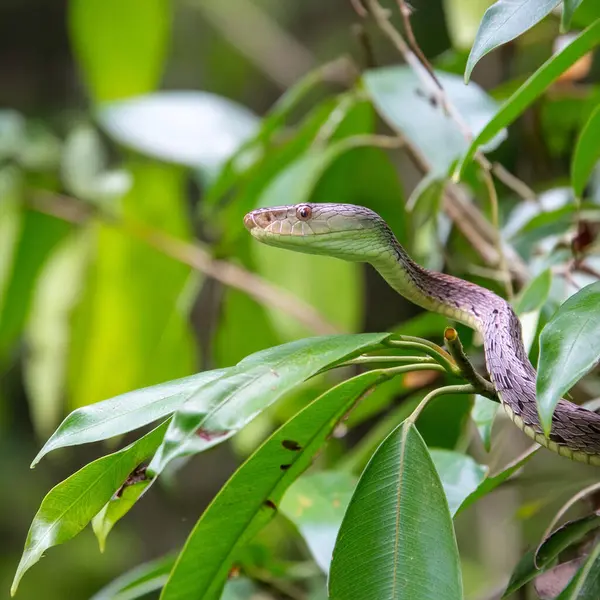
(478, 224)
(195, 256)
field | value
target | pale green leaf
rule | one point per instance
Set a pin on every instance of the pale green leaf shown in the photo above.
(532, 89)
(71, 505)
(316, 504)
(504, 21)
(220, 408)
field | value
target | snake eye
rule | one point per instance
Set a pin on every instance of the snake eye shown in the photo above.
(303, 212)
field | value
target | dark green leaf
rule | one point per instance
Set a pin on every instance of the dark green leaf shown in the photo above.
(27, 261)
(444, 420)
(250, 498)
(483, 415)
(223, 406)
(569, 348)
(124, 413)
(460, 475)
(587, 153)
(531, 90)
(398, 94)
(397, 539)
(586, 584)
(138, 582)
(316, 504)
(196, 129)
(563, 537)
(71, 505)
(120, 45)
(504, 21)
(523, 573)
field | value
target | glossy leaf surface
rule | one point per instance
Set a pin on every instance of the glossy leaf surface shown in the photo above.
(251, 497)
(397, 538)
(223, 406)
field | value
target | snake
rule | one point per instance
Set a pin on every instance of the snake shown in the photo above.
(358, 234)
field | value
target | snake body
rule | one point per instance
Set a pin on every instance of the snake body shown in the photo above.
(358, 234)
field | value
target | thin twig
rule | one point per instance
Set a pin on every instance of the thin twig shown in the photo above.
(429, 348)
(493, 197)
(513, 182)
(455, 347)
(196, 257)
(405, 12)
(414, 57)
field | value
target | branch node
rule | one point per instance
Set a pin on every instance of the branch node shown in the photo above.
(455, 347)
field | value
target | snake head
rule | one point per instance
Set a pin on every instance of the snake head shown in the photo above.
(344, 231)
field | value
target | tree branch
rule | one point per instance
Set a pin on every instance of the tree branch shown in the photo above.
(195, 256)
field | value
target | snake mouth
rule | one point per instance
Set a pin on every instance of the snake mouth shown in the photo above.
(249, 222)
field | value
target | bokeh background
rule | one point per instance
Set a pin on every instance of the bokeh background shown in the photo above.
(90, 308)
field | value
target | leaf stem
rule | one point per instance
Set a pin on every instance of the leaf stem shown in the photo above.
(364, 359)
(443, 391)
(468, 372)
(429, 348)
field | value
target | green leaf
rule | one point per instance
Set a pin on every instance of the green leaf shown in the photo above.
(504, 21)
(249, 500)
(70, 506)
(460, 475)
(397, 539)
(138, 582)
(195, 129)
(124, 413)
(587, 153)
(483, 415)
(125, 324)
(316, 504)
(531, 90)
(524, 572)
(586, 584)
(569, 348)
(223, 406)
(398, 95)
(563, 537)
(48, 331)
(117, 507)
(120, 45)
(535, 294)
(491, 482)
(27, 262)
(569, 8)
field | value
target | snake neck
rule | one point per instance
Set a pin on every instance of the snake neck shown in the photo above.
(575, 430)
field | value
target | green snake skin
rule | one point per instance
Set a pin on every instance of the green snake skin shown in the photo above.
(358, 234)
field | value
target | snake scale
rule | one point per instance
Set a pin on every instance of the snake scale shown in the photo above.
(358, 234)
